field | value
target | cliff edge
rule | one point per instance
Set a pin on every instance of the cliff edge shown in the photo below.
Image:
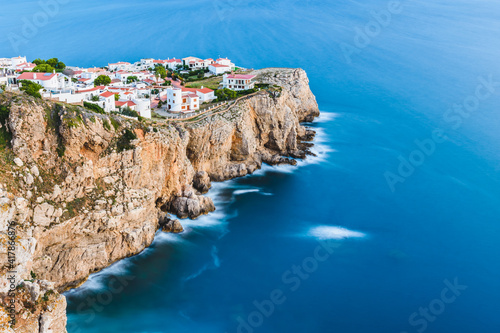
(81, 190)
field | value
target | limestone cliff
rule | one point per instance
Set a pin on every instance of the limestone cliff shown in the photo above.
(87, 189)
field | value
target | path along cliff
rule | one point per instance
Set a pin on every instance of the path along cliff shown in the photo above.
(80, 190)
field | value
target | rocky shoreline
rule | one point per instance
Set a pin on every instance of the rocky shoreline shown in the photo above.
(86, 189)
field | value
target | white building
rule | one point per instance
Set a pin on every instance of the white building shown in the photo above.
(193, 63)
(217, 69)
(25, 66)
(109, 101)
(205, 94)
(225, 62)
(121, 65)
(143, 106)
(238, 81)
(173, 63)
(17, 61)
(182, 100)
(49, 81)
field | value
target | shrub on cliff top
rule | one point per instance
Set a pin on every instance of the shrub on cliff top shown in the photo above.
(124, 143)
(31, 88)
(5, 135)
(94, 107)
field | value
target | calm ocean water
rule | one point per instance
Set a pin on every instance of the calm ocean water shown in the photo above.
(420, 255)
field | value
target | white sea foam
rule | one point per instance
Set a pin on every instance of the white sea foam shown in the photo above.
(240, 192)
(333, 232)
(97, 281)
(325, 117)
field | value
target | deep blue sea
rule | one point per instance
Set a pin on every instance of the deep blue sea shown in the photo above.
(393, 227)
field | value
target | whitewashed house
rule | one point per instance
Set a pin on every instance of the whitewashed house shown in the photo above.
(217, 69)
(49, 81)
(109, 101)
(17, 61)
(25, 66)
(238, 81)
(173, 63)
(225, 62)
(182, 100)
(193, 63)
(121, 65)
(205, 94)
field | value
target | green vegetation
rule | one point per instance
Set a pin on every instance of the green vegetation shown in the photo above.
(47, 294)
(211, 83)
(73, 117)
(116, 124)
(44, 68)
(95, 98)
(161, 71)
(228, 94)
(131, 79)
(106, 125)
(94, 107)
(31, 88)
(102, 80)
(5, 135)
(124, 143)
(129, 112)
(48, 65)
(74, 208)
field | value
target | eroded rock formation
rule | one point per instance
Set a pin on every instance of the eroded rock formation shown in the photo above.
(86, 189)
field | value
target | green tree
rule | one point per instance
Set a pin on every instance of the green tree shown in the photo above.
(117, 97)
(102, 80)
(38, 61)
(131, 79)
(129, 112)
(45, 68)
(160, 70)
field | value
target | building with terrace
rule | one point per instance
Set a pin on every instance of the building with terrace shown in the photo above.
(238, 81)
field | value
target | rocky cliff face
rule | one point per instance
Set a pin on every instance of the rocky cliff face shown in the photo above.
(86, 189)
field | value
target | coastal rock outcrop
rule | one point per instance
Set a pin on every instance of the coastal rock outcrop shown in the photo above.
(85, 190)
(201, 182)
(169, 225)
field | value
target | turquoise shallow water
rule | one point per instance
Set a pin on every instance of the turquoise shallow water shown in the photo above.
(395, 251)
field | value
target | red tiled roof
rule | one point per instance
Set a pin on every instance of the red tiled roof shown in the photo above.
(205, 90)
(193, 90)
(122, 103)
(39, 76)
(89, 90)
(240, 76)
(107, 94)
(218, 65)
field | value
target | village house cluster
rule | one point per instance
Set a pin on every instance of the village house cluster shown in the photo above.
(135, 86)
